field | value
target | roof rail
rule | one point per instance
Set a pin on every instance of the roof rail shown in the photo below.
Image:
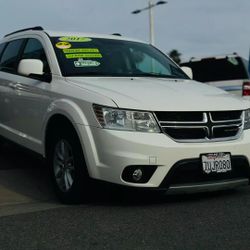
(32, 28)
(194, 59)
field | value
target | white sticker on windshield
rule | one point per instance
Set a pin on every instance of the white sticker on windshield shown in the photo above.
(86, 63)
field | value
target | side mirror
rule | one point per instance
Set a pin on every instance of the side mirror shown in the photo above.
(188, 71)
(27, 67)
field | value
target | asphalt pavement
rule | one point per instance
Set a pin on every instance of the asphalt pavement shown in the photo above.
(32, 218)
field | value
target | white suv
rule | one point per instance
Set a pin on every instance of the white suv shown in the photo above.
(120, 111)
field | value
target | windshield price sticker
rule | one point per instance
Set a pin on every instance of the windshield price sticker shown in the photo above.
(86, 63)
(216, 163)
(75, 39)
(87, 55)
(81, 50)
(63, 45)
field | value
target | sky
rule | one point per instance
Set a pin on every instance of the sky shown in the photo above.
(196, 28)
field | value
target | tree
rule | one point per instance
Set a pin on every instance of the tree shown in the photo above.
(175, 55)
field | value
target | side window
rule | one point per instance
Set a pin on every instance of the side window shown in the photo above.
(9, 58)
(35, 50)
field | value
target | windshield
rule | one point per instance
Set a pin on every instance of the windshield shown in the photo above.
(81, 56)
(213, 69)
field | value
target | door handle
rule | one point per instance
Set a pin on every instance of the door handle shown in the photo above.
(15, 85)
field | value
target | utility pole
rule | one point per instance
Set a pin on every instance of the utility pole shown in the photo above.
(151, 18)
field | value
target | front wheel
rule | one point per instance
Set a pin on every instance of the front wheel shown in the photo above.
(68, 168)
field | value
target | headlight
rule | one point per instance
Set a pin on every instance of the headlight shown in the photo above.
(128, 120)
(247, 119)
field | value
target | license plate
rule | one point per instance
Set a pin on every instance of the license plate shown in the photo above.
(216, 163)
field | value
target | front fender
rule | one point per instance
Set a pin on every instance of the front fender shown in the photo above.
(82, 122)
(69, 110)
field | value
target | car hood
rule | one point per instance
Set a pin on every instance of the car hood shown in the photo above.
(157, 94)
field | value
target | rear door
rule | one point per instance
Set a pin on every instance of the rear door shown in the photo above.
(8, 65)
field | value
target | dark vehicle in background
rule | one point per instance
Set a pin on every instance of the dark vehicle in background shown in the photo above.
(229, 72)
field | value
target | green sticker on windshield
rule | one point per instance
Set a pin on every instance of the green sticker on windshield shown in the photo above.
(87, 55)
(82, 50)
(86, 63)
(233, 60)
(75, 39)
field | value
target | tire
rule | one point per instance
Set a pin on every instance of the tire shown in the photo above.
(67, 166)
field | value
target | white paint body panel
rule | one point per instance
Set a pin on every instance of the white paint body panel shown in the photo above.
(161, 94)
(111, 151)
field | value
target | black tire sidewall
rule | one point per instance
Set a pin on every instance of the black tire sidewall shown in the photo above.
(78, 192)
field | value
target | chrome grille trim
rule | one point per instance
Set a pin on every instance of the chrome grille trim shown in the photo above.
(187, 127)
(223, 121)
(204, 120)
(215, 130)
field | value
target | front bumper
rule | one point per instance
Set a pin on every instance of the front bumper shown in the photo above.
(109, 152)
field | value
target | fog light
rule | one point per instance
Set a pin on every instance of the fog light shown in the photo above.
(137, 174)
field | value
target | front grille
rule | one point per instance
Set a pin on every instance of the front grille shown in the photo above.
(201, 126)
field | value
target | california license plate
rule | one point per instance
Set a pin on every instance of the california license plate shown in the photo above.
(216, 163)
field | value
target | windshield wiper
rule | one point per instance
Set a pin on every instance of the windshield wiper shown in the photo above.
(100, 74)
(89, 74)
(154, 75)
